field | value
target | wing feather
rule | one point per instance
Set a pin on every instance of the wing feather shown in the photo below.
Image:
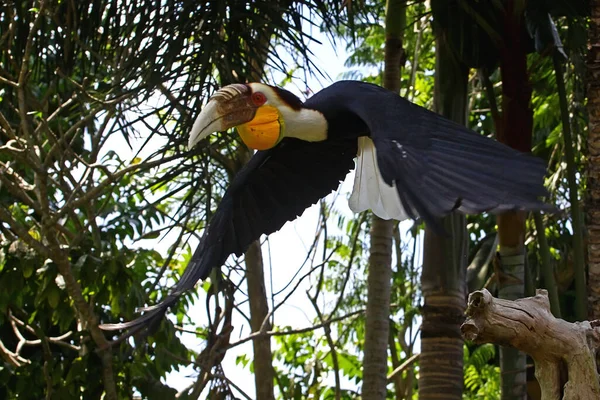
(436, 165)
(275, 186)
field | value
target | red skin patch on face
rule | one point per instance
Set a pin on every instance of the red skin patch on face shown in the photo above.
(259, 99)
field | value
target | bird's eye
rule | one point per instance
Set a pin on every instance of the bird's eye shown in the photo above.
(259, 98)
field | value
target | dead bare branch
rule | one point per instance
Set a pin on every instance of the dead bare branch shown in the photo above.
(528, 325)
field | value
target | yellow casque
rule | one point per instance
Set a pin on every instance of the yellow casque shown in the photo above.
(264, 131)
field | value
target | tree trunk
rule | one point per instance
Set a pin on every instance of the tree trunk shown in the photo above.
(378, 310)
(515, 131)
(444, 261)
(259, 308)
(593, 178)
(375, 364)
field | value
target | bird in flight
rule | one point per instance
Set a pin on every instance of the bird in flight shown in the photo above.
(411, 163)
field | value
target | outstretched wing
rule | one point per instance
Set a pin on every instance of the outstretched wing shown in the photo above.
(274, 187)
(436, 166)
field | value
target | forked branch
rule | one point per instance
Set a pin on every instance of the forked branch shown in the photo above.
(528, 325)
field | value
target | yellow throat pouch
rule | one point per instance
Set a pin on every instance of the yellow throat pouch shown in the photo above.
(264, 131)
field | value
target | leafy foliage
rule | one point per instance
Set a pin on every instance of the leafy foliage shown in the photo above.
(482, 376)
(99, 198)
(84, 83)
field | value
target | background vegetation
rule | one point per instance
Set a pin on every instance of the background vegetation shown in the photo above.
(101, 202)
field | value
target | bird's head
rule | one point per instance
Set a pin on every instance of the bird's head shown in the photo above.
(257, 110)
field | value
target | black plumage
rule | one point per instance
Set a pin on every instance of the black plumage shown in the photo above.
(437, 166)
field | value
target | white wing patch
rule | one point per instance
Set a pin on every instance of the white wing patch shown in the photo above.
(370, 191)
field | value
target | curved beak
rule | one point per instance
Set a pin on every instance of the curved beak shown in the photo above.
(206, 123)
(230, 106)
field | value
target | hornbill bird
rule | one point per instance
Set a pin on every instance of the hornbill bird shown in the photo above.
(411, 163)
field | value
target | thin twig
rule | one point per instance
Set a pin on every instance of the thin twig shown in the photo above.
(294, 331)
(268, 316)
(403, 366)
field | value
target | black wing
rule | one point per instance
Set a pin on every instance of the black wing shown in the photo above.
(438, 166)
(275, 186)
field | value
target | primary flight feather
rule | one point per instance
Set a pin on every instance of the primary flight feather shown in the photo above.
(411, 163)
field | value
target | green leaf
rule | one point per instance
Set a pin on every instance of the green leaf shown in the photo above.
(151, 235)
(27, 270)
(242, 359)
(53, 296)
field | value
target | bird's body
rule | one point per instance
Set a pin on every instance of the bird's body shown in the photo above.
(411, 163)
